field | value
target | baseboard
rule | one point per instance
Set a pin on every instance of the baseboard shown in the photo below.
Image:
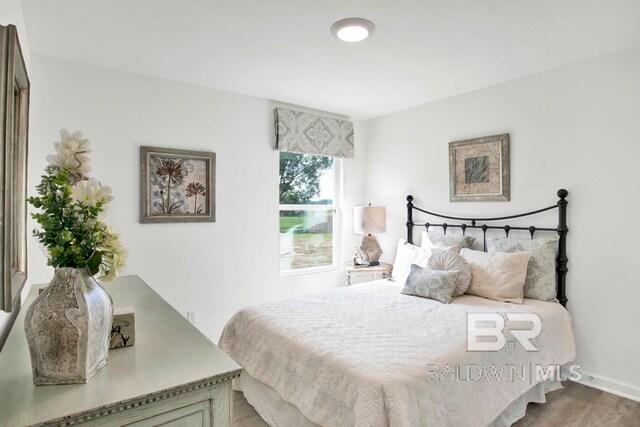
(610, 385)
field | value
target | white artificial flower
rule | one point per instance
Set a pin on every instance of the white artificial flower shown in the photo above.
(72, 152)
(116, 261)
(115, 255)
(90, 192)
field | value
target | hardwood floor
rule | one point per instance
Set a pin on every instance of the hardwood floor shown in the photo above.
(574, 405)
(579, 405)
(243, 414)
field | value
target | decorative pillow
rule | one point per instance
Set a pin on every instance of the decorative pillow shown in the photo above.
(541, 272)
(498, 276)
(438, 285)
(443, 260)
(435, 240)
(408, 254)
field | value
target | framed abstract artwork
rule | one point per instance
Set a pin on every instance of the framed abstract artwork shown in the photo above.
(14, 131)
(177, 185)
(479, 169)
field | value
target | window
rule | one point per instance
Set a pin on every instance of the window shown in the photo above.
(309, 213)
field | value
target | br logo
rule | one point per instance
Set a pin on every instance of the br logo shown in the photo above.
(485, 331)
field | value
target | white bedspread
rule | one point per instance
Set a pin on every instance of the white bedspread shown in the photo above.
(366, 355)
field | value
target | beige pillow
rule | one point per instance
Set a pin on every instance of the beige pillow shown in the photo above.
(498, 276)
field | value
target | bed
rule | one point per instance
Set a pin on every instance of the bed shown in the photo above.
(367, 355)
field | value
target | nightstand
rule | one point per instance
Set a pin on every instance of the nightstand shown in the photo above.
(382, 271)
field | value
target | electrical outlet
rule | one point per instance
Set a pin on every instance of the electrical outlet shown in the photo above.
(192, 316)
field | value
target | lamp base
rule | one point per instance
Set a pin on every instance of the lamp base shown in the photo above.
(371, 247)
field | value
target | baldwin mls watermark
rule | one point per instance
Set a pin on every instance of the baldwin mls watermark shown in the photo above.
(531, 373)
(486, 333)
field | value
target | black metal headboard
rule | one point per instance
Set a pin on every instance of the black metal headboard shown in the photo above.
(480, 223)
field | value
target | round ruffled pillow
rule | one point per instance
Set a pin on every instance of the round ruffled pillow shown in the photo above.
(445, 260)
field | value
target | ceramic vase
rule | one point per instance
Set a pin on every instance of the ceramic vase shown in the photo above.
(68, 328)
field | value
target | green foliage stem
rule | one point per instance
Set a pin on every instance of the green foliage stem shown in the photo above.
(69, 230)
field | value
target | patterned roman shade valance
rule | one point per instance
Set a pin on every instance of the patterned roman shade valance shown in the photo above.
(305, 133)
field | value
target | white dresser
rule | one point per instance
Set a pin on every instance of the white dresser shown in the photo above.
(172, 376)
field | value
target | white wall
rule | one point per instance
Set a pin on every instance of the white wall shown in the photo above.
(215, 268)
(576, 127)
(11, 14)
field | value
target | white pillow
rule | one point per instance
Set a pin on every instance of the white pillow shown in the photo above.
(408, 254)
(498, 276)
(435, 240)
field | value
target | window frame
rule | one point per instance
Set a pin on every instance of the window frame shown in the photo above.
(336, 207)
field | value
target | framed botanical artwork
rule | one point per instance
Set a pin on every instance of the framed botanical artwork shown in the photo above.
(177, 185)
(14, 130)
(479, 169)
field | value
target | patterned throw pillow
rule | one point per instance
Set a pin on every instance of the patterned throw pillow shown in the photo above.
(443, 260)
(541, 272)
(435, 240)
(438, 285)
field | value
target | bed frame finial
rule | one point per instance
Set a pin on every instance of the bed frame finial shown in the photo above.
(562, 193)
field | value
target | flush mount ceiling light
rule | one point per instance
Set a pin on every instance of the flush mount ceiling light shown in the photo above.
(352, 29)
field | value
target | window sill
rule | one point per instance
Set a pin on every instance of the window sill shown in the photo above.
(309, 271)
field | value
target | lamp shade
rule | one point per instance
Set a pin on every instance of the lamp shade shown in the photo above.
(369, 219)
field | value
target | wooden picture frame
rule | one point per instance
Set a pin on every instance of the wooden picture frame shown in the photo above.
(177, 185)
(14, 111)
(479, 169)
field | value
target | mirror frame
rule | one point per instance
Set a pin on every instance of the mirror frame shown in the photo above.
(14, 130)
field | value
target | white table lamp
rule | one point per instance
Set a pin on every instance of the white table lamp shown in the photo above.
(368, 220)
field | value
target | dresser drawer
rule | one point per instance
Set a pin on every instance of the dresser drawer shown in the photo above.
(197, 415)
(208, 406)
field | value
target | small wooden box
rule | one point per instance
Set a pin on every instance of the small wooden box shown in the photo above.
(123, 328)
